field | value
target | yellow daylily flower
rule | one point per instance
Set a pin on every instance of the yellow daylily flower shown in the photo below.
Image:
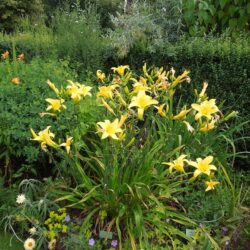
(210, 185)
(109, 129)
(177, 164)
(77, 91)
(141, 101)
(45, 138)
(15, 80)
(160, 110)
(208, 126)
(55, 104)
(181, 115)
(6, 54)
(206, 108)
(202, 166)
(67, 144)
(106, 91)
(53, 87)
(120, 69)
(100, 75)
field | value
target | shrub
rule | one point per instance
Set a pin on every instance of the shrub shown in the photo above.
(204, 16)
(13, 11)
(19, 108)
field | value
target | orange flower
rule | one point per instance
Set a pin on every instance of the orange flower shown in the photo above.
(6, 54)
(15, 80)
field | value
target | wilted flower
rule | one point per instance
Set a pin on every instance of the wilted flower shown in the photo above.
(32, 230)
(29, 244)
(52, 244)
(91, 242)
(20, 57)
(20, 199)
(15, 80)
(6, 54)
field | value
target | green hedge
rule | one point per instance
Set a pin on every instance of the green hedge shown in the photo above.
(223, 62)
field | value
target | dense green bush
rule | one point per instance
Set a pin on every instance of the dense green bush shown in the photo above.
(12, 11)
(203, 16)
(20, 106)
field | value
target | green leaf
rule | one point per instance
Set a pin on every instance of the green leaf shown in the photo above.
(223, 3)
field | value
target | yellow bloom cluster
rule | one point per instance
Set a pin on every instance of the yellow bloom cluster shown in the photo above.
(202, 166)
(56, 224)
(76, 92)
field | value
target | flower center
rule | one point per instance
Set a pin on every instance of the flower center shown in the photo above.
(30, 244)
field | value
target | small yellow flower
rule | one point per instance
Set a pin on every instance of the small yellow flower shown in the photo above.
(177, 164)
(202, 166)
(52, 244)
(106, 91)
(120, 69)
(100, 75)
(45, 138)
(109, 129)
(55, 104)
(5, 55)
(141, 101)
(206, 108)
(53, 87)
(67, 144)
(210, 185)
(160, 110)
(15, 80)
(208, 126)
(181, 115)
(21, 57)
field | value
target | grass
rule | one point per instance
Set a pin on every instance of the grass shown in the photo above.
(5, 242)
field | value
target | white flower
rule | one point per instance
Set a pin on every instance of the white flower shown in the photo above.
(32, 230)
(20, 199)
(52, 244)
(29, 244)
